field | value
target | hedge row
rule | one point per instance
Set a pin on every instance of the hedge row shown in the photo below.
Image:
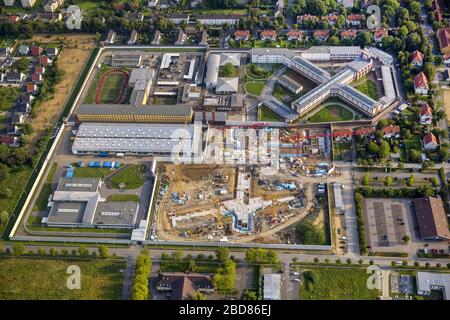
(141, 277)
(359, 206)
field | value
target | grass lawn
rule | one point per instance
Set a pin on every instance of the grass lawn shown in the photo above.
(133, 176)
(123, 197)
(342, 150)
(164, 101)
(369, 88)
(41, 202)
(85, 172)
(265, 114)
(255, 88)
(8, 96)
(336, 284)
(41, 279)
(331, 113)
(410, 144)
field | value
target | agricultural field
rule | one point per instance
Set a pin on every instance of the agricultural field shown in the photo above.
(33, 279)
(333, 283)
(331, 113)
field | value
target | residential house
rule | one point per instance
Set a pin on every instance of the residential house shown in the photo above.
(133, 37)
(26, 97)
(23, 107)
(437, 12)
(28, 3)
(44, 61)
(379, 34)
(426, 114)
(39, 70)
(443, 36)
(11, 141)
(181, 286)
(421, 84)
(24, 50)
(430, 142)
(447, 60)
(5, 51)
(181, 38)
(37, 78)
(36, 51)
(343, 135)
(156, 38)
(417, 58)
(7, 63)
(153, 3)
(51, 52)
(269, 35)
(391, 131)
(307, 17)
(218, 19)
(355, 20)
(18, 118)
(365, 131)
(15, 77)
(177, 18)
(31, 87)
(136, 16)
(321, 35)
(295, 34)
(242, 35)
(110, 38)
(365, 3)
(9, 3)
(13, 18)
(49, 16)
(348, 34)
(12, 129)
(332, 18)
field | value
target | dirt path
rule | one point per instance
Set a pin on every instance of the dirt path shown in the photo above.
(76, 51)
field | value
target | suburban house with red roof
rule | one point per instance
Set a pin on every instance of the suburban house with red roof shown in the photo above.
(348, 34)
(364, 131)
(417, 58)
(36, 51)
(430, 142)
(391, 131)
(342, 134)
(30, 87)
(9, 140)
(321, 35)
(295, 34)
(421, 84)
(426, 114)
(355, 20)
(447, 60)
(307, 17)
(36, 78)
(39, 70)
(332, 18)
(443, 36)
(242, 35)
(269, 35)
(437, 12)
(44, 60)
(379, 34)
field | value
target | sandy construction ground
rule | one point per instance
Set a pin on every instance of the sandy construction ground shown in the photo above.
(76, 51)
(446, 93)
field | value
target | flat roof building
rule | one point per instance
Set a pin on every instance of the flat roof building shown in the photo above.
(272, 286)
(126, 60)
(427, 281)
(180, 113)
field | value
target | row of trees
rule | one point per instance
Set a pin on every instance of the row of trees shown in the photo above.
(18, 249)
(142, 273)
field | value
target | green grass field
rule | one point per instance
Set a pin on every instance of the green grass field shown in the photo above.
(42, 200)
(265, 114)
(369, 88)
(133, 176)
(43, 279)
(111, 88)
(85, 172)
(254, 88)
(122, 197)
(331, 113)
(332, 283)
(8, 96)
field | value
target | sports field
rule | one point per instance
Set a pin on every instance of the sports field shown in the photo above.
(112, 87)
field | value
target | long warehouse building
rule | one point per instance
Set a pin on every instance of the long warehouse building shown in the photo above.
(180, 114)
(138, 139)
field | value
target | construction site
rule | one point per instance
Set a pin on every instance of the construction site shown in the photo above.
(231, 203)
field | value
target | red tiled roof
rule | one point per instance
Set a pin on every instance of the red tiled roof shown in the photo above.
(417, 56)
(391, 129)
(13, 18)
(421, 81)
(447, 56)
(364, 131)
(356, 17)
(321, 33)
(332, 17)
(425, 110)
(380, 33)
(44, 60)
(295, 33)
(5, 139)
(242, 33)
(343, 133)
(443, 36)
(306, 17)
(429, 138)
(348, 34)
(39, 70)
(266, 33)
